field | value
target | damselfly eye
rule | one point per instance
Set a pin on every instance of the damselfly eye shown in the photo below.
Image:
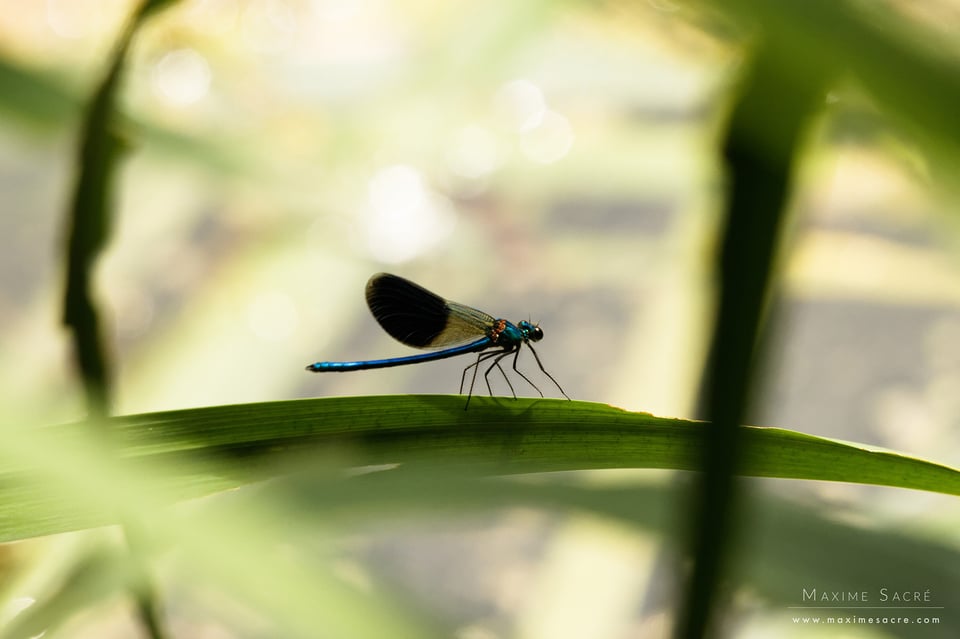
(536, 334)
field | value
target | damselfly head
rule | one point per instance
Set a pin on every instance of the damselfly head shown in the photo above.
(531, 331)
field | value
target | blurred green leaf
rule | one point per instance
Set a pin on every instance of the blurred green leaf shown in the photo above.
(92, 578)
(90, 223)
(760, 153)
(90, 219)
(901, 67)
(34, 97)
(781, 545)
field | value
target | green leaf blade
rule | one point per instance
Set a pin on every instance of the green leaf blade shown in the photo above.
(205, 450)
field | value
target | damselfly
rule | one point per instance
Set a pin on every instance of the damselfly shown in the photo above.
(416, 317)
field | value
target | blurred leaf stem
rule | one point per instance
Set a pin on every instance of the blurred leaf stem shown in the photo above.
(90, 223)
(776, 102)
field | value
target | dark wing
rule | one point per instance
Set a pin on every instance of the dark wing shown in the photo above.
(416, 317)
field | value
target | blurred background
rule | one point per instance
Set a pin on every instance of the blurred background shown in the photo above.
(555, 161)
